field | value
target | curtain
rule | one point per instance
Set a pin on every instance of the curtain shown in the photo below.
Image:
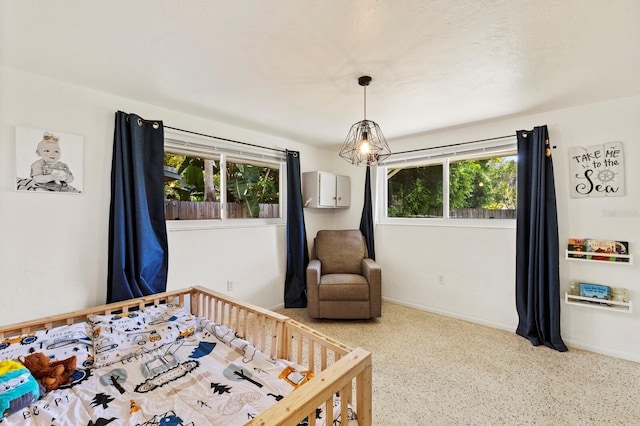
(295, 285)
(138, 255)
(366, 220)
(537, 251)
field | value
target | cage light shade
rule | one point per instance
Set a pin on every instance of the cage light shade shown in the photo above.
(365, 144)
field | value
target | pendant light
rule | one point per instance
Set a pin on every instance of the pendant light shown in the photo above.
(365, 144)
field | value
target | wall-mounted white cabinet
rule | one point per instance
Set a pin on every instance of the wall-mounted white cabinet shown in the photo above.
(326, 190)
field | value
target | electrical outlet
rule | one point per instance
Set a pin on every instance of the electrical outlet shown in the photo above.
(229, 285)
(441, 279)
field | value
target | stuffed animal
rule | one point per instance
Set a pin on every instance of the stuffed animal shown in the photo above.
(18, 388)
(52, 374)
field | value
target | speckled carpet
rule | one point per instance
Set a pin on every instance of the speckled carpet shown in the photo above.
(434, 370)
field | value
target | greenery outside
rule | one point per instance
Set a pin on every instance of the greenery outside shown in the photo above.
(194, 179)
(252, 185)
(480, 184)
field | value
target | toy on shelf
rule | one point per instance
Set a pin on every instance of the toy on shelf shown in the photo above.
(599, 296)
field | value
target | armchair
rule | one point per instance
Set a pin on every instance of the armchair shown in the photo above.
(342, 281)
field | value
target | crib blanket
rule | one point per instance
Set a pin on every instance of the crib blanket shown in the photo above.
(206, 375)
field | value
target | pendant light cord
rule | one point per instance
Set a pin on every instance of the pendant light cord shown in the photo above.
(365, 102)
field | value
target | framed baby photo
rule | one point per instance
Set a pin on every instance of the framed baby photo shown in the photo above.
(48, 161)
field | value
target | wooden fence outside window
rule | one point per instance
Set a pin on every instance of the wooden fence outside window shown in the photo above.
(198, 210)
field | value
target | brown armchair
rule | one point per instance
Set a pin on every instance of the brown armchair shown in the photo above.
(342, 282)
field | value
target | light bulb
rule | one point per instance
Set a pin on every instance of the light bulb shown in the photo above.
(364, 146)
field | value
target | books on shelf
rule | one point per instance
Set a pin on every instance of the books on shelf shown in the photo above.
(595, 249)
(577, 244)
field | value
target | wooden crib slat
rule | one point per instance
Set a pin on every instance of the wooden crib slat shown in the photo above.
(317, 391)
(312, 355)
(345, 400)
(300, 351)
(363, 407)
(236, 323)
(323, 358)
(329, 411)
(257, 332)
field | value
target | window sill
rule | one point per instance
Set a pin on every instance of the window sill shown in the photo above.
(197, 225)
(451, 223)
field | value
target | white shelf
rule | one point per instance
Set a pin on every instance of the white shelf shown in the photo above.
(590, 302)
(587, 253)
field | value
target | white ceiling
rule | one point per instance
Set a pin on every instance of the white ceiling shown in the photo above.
(290, 67)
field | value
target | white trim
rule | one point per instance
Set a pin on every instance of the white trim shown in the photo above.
(467, 150)
(223, 184)
(445, 188)
(451, 223)
(209, 224)
(450, 314)
(202, 144)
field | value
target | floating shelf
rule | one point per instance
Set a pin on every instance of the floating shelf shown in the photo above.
(590, 302)
(587, 253)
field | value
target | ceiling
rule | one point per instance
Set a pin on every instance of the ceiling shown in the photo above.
(290, 67)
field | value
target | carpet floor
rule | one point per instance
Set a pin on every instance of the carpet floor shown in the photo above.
(433, 370)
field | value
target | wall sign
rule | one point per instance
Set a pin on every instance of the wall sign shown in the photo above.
(597, 171)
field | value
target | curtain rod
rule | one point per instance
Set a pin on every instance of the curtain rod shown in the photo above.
(454, 144)
(225, 139)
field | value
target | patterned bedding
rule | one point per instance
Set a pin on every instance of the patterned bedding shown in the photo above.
(157, 366)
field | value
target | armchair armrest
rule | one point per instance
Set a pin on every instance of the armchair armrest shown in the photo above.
(373, 273)
(313, 280)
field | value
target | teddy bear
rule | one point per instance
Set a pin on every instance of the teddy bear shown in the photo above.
(52, 374)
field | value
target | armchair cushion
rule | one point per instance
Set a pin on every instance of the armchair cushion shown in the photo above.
(340, 252)
(343, 287)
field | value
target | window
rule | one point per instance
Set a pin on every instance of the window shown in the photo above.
(253, 190)
(219, 182)
(191, 187)
(483, 188)
(477, 184)
(415, 191)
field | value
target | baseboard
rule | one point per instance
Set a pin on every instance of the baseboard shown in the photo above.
(277, 307)
(600, 350)
(450, 314)
(571, 343)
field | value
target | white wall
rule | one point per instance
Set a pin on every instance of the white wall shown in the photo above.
(53, 255)
(478, 263)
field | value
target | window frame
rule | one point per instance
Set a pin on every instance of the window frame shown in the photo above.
(441, 155)
(224, 151)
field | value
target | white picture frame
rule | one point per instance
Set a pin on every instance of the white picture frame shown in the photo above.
(49, 161)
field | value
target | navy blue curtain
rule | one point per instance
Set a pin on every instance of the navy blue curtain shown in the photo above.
(366, 220)
(138, 255)
(537, 250)
(295, 285)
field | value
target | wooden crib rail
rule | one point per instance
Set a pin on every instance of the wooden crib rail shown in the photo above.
(68, 318)
(298, 405)
(262, 327)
